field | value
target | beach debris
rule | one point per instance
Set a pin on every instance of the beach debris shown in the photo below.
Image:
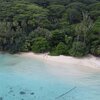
(65, 93)
(22, 92)
(1, 98)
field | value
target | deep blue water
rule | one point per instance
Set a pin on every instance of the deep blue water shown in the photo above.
(23, 78)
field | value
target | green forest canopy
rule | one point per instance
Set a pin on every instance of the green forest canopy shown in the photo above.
(61, 27)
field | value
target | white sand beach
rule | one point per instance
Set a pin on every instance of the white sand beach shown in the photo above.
(90, 61)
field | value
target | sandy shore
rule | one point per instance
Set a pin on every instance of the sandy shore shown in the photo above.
(90, 61)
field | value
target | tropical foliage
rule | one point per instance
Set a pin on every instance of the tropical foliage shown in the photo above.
(61, 27)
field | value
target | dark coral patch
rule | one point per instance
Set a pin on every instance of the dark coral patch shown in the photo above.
(22, 92)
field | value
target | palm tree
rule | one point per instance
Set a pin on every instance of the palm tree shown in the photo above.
(84, 28)
(87, 25)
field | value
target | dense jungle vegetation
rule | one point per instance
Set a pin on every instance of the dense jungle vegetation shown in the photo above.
(61, 27)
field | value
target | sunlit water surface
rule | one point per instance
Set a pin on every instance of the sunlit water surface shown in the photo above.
(23, 78)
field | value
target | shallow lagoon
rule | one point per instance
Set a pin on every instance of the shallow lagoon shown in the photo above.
(23, 78)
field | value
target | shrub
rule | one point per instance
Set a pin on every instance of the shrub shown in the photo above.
(60, 49)
(40, 45)
(95, 51)
(78, 49)
(95, 48)
(56, 37)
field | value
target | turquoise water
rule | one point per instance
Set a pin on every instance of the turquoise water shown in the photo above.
(23, 78)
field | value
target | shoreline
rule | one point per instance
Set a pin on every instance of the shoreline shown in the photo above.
(89, 61)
